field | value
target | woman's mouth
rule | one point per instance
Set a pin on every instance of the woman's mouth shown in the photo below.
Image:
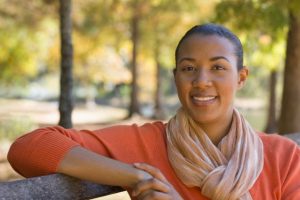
(203, 100)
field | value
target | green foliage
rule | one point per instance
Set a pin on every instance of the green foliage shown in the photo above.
(14, 127)
(262, 26)
(269, 55)
(266, 16)
(24, 51)
(294, 7)
(16, 58)
(101, 35)
(257, 118)
(22, 41)
(24, 14)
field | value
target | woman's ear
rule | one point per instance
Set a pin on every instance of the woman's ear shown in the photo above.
(174, 71)
(243, 74)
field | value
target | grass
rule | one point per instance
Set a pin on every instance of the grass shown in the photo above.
(11, 128)
(257, 118)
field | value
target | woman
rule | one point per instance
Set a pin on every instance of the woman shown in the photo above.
(206, 151)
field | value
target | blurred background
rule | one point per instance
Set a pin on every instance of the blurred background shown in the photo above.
(115, 60)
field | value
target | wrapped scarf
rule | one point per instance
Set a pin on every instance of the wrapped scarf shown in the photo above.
(225, 172)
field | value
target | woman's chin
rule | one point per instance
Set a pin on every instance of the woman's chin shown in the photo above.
(203, 118)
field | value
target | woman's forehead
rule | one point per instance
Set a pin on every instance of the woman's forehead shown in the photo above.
(206, 45)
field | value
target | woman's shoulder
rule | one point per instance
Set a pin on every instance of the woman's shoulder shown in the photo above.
(280, 176)
(275, 140)
(278, 147)
(148, 127)
(281, 166)
(133, 131)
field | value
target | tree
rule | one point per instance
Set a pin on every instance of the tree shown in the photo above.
(158, 108)
(135, 35)
(66, 79)
(271, 125)
(290, 106)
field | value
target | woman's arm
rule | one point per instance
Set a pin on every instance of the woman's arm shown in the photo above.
(75, 153)
(87, 165)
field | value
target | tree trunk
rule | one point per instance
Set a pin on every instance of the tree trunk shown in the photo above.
(134, 104)
(271, 122)
(290, 107)
(158, 109)
(66, 79)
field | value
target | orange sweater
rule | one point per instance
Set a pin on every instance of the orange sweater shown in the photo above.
(39, 153)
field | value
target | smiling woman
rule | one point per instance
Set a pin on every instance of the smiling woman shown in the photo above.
(207, 78)
(206, 151)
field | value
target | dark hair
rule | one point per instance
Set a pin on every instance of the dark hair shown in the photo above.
(213, 29)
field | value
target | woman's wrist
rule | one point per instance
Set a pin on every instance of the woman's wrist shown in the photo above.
(141, 175)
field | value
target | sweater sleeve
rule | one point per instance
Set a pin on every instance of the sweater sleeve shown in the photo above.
(40, 151)
(291, 178)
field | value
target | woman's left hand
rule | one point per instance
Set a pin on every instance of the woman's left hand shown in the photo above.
(157, 188)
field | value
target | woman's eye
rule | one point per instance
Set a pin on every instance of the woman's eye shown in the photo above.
(189, 68)
(218, 67)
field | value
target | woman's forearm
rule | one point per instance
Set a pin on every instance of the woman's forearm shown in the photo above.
(84, 164)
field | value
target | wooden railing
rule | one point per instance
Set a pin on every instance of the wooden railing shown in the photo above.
(53, 187)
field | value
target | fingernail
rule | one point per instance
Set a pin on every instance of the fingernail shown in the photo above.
(133, 193)
(136, 164)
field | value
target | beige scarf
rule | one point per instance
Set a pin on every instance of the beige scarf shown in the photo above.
(226, 172)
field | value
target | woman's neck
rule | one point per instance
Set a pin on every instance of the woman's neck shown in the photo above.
(216, 130)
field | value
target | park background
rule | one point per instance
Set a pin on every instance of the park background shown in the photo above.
(88, 64)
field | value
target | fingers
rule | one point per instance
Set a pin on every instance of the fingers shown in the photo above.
(150, 185)
(151, 170)
(153, 195)
(156, 188)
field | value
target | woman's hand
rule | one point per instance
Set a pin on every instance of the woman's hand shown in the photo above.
(156, 188)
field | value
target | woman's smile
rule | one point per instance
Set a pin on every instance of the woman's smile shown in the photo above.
(203, 100)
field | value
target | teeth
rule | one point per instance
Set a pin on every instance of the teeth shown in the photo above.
(203, 98)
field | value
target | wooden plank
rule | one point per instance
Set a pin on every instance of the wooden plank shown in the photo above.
(54, 187)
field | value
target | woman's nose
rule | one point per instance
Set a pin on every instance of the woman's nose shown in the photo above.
(202, 79)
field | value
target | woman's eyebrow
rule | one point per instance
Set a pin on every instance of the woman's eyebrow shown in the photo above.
(211, 59)
(186, 59)
(219, 57)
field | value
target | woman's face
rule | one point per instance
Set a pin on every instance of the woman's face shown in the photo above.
(207, 78)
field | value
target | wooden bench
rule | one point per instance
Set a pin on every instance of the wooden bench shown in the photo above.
(54, 187)
(58, 186)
